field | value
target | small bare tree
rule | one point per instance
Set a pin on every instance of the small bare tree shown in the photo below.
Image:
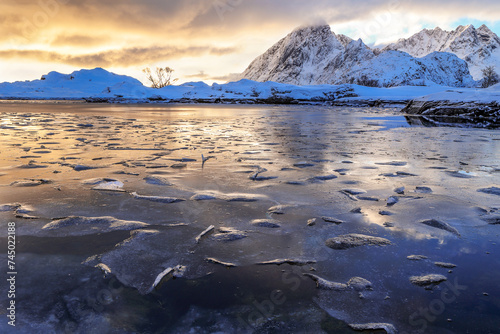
(161, 77)
(490, 77)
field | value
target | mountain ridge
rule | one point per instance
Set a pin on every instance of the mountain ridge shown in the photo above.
(478, 47)
(316, 55)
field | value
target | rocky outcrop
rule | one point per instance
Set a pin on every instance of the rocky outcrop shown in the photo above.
(480, 108)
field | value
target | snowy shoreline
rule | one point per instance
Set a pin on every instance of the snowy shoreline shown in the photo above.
(341, 102)
(476, 105)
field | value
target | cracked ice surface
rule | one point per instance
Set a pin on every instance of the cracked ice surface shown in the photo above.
(128, 217)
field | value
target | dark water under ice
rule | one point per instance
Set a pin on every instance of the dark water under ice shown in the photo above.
(306, 161)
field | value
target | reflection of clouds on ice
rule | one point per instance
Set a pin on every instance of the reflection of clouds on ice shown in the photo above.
(363, 177)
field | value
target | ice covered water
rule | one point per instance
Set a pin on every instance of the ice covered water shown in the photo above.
(151, 218)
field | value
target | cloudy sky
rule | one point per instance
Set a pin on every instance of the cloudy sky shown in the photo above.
(201, 39)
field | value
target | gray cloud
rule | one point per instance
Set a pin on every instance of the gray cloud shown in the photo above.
(221, 18)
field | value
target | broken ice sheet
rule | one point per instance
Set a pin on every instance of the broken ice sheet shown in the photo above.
(72, 226)
(220, 196)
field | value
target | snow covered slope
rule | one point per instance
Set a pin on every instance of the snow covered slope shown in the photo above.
(55, 85)
(396, 68)
(316, 55)
(478, 47)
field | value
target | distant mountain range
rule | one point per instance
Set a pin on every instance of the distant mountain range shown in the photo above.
(316, 55)
(478, 47)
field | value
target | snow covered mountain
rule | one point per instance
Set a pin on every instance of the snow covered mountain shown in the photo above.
(478, 47)
(316, 55)
(298, 58)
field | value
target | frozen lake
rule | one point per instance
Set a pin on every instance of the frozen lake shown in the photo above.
(264, 215)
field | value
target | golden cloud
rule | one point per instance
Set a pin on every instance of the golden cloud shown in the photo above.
(121, 57)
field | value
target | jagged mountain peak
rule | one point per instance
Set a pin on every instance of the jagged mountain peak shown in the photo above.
(436, 30)
(358, 43)
(478, 47)
(484, 28)
(467, 27)
(298, 56)
(345, 40)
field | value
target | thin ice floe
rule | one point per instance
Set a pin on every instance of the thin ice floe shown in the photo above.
(355, 240)
(75, 225)
(158, 199)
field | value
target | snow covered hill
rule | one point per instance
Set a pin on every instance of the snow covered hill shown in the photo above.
(55, 85)
(478, 47)
(316, 55)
